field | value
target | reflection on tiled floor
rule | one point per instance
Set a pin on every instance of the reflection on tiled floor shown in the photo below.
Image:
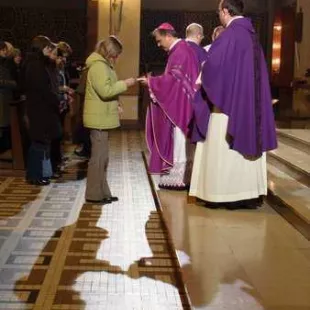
(56, 252)
(238, 260)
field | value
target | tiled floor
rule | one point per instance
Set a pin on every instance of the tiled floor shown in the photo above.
(56, 252)
(59, 253)
(244, 260)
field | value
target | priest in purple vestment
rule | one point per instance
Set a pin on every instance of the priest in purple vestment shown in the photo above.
(194, 37)
(230, 166)
(170, 114)
(199, 126)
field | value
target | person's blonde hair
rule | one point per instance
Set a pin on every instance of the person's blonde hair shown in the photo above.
(65, 48)
(109, 48)
(216, 32)
(16, 52)
(10, 48)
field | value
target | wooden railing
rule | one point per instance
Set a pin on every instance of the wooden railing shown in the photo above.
(17, 131)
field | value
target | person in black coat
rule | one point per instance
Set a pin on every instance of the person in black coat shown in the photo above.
(7, 86)
(58, 61)
(42, 106)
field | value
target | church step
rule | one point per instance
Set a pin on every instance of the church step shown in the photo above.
(297, 138)
(292, 161)
(291, 193)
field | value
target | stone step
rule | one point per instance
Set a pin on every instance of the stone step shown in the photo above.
(292, 161)
(297, 138)
(290, 192)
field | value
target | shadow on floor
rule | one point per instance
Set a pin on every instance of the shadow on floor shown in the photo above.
(55, 278)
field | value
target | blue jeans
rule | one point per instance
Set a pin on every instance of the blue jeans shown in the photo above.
(38, 162)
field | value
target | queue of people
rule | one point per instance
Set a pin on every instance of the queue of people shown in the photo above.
(209, 123)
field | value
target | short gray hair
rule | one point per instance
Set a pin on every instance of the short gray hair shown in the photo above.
(194, 30)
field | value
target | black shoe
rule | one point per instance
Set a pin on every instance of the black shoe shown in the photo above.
(112, 199)
(241, 207)
(82, 153)
(41, 182)
(56, 176)
(174, 188)
(249, 204)
(103, 201)
(212, 205)
(65, 159)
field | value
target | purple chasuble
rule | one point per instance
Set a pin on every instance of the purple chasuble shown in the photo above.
(235, 79)
(171, 105)
(199, 125)
(199, 50)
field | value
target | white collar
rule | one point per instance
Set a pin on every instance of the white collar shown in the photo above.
(235, 17)
(207, 47)
(174, 44)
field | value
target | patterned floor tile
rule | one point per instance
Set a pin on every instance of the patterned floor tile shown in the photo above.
(56, 252)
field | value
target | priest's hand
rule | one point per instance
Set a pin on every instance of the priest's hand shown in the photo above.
(143, 80)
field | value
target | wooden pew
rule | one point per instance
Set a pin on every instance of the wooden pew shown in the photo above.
(17, 114)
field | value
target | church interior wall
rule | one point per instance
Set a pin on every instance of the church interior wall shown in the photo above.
(59, 20)
(65, 4)
(304, 45)
(126, 25)
(198, 5)
(301, 106)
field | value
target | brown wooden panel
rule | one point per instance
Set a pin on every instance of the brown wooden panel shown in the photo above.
(92, 25)
(133, 91)
(17, 147)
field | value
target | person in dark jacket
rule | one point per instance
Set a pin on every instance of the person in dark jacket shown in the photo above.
(81, 133)
(64, 95)
(7, 85)
(16, 74)
(42, 107)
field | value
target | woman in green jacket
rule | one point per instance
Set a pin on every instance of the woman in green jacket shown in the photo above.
(101, 114)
